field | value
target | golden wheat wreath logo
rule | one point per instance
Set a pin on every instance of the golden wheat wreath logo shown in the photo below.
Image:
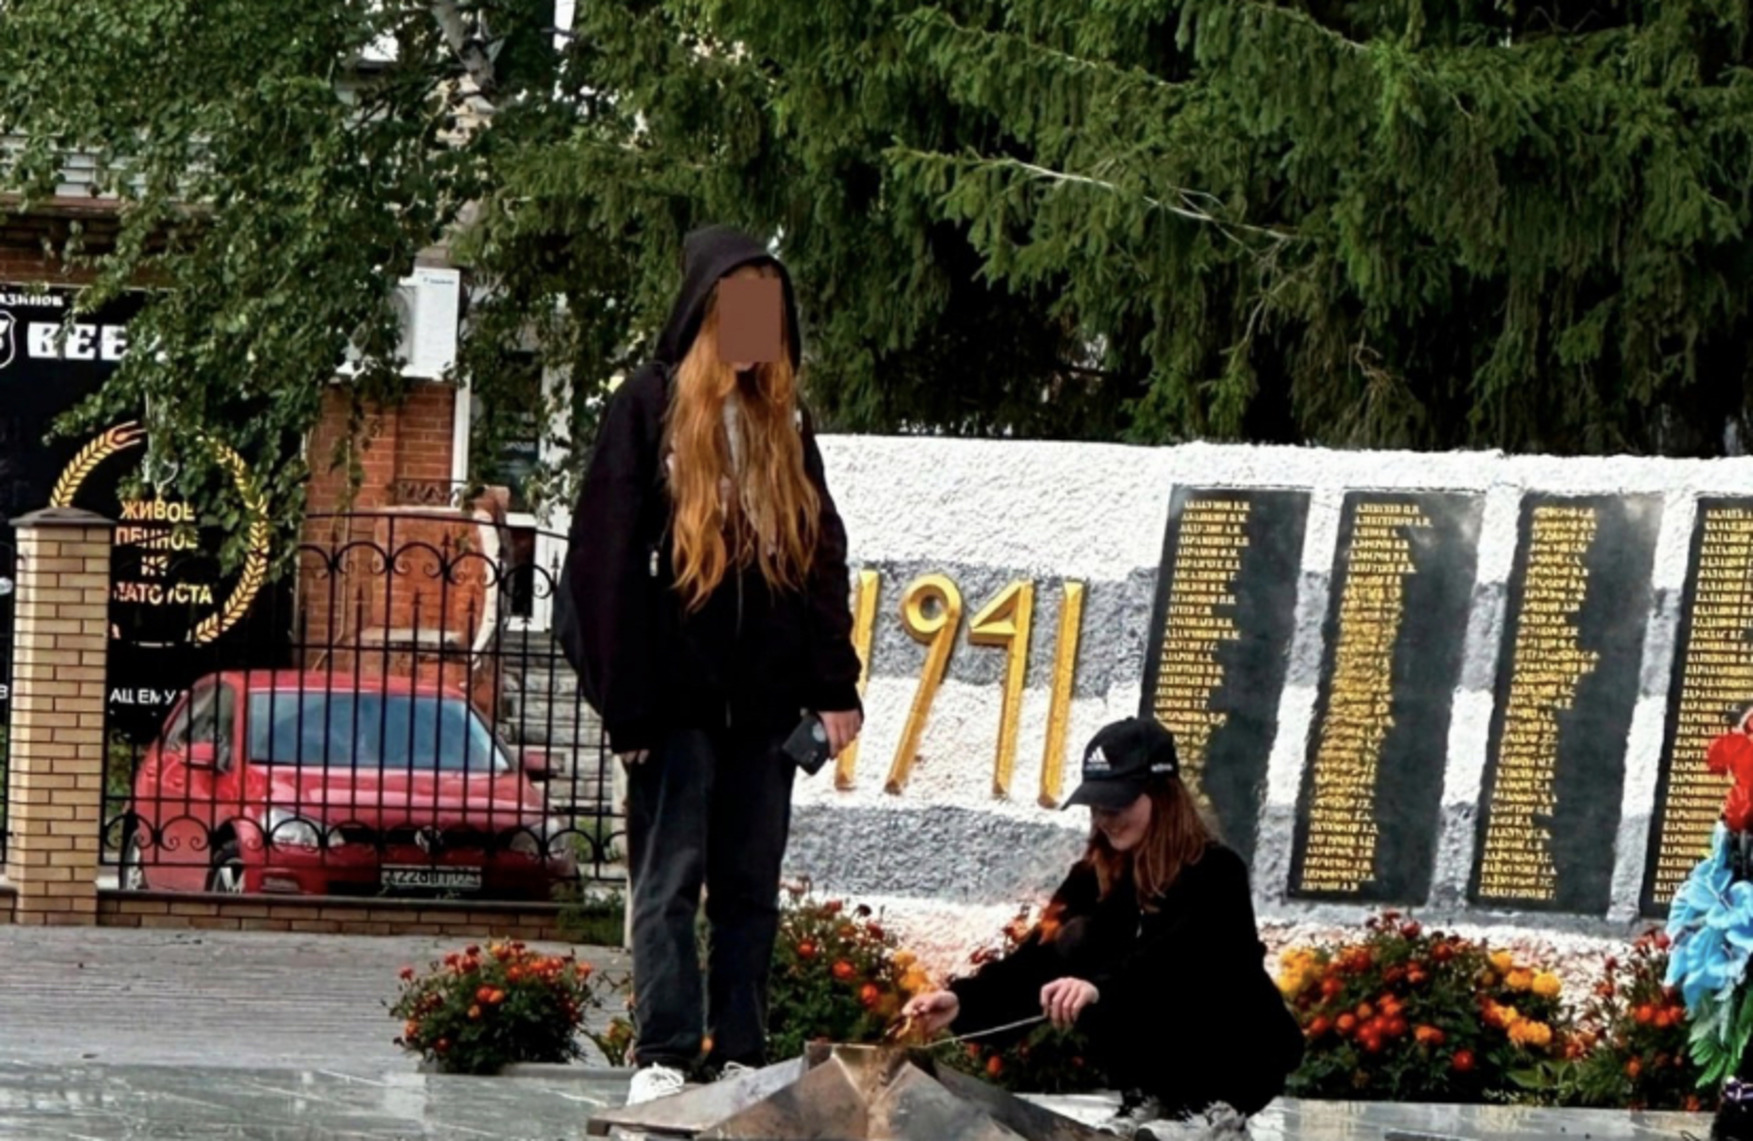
(255, 568)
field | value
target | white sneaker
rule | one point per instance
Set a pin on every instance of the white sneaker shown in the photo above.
(1218, 1123)
(734, 1070)
(1127, 1120)
(653, 1083)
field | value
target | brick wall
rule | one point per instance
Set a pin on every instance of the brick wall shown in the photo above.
(417, 614)
(396, 447)
(185, 911)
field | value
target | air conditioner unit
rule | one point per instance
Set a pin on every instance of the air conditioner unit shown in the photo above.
(427, 308)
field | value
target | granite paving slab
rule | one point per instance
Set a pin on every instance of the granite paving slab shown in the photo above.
(269, 999)
(93, 1102)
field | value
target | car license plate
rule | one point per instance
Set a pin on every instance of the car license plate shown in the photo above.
(448, 879)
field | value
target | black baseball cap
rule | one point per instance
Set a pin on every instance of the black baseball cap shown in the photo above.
(1122, 761)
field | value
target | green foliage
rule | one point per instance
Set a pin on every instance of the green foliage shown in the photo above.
(837, 976)
(1403, 1014)
(1634, 1040)
(476, 1013)
(1378, 223)
(592, 919)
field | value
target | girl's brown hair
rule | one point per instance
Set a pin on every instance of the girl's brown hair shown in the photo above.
(772, 515)
(1177, 837)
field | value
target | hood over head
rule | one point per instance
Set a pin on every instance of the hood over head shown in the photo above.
(709, 254)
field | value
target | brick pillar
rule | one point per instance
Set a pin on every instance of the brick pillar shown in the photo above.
(56, 739)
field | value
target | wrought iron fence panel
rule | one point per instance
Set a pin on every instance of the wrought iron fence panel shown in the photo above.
(413, 737)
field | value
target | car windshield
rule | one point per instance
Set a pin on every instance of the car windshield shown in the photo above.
(392, 732)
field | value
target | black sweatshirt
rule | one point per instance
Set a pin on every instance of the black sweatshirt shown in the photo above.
(1187, 1012)
(753, 656)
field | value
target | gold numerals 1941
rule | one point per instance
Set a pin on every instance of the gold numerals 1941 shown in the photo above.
(931, 613)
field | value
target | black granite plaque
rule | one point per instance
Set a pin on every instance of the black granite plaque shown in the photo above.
(1567, 683)
(1712, 683)
(1225, 616)
(1395, 634)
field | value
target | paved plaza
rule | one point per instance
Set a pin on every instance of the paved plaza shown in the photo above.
(108, 1033)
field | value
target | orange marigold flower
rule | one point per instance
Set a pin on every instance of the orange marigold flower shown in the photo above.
(484, 994)
(994, 1066)
(1530, 1033)
(1428, 1036)
(844, 970)
(474, 1012)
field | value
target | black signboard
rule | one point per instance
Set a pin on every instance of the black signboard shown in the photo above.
(42, 376)
(1395, 635)
(1711, 685)
(173, 606)
(1225, 617)
(1567, 684)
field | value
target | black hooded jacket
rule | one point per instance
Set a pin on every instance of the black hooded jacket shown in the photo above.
(753, 656)
(1186, 1014)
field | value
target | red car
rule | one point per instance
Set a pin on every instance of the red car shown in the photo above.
(325, 785)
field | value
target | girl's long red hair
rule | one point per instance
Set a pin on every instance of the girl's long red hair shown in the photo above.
(1177, 837)
(771, 516)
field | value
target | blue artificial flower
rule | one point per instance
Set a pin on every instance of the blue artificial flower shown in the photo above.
(1711, 925)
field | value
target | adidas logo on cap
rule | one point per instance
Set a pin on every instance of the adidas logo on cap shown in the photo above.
(1097, 761)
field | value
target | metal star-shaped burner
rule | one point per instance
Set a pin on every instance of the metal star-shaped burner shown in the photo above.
(847, 1093)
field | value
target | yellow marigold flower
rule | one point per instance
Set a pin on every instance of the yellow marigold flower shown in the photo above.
(1547, 985)
(905, 959)
(1520, 980)
(1503, 961)
(915, 981)
(1290, 985)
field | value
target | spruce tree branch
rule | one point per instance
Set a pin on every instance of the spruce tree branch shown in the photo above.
(1188, 207)
(1303, 19)
(933, 18)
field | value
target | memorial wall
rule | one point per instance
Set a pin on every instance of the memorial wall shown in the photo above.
(1473, 685)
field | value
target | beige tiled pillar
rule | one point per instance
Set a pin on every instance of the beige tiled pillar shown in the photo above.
(56, 738)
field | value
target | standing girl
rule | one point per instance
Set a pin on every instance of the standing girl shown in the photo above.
(705, 606)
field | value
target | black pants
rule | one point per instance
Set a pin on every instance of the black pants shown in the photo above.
(708, 808)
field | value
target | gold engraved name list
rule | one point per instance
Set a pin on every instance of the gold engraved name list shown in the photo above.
(1716, 680)
(1208, 556)
(1547, 667)
(1341, 848)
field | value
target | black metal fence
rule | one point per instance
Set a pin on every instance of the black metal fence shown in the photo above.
(8, 597)
(386, 726)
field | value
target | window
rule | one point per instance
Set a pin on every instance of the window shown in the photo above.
(198, 710)
(389, 732)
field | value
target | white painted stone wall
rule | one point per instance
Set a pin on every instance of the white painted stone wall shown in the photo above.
(948, 863)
